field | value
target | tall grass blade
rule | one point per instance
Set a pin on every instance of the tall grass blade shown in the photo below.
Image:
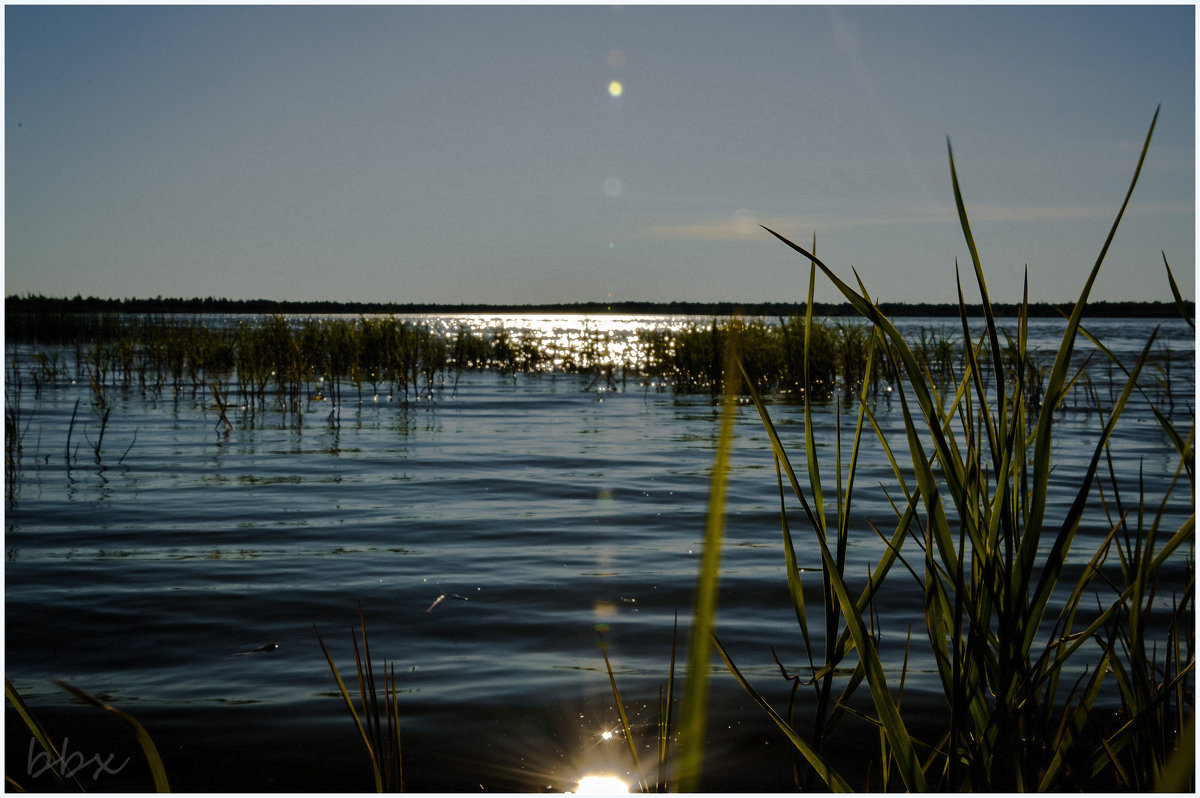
(1055, 559)
(39, 733)
(826, 773)
(1179, 775)
(637, 766)
(353, 712)
(1055, 382)
(1180, 305)
(665, 713)
(695, 698)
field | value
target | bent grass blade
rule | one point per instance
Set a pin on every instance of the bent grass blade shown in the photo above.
(822, 769)
(345, 693)
(39, 733)
(139, 732)
(637, 765)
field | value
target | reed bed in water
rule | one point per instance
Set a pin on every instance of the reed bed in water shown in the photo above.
(329, 357)
(288, 361)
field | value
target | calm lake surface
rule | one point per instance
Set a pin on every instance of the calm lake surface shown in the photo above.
(539, 509)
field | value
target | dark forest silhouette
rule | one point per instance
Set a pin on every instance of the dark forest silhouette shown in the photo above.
(79, 304)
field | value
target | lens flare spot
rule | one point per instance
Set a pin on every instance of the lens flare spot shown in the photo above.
(616, 59)
(612, 187)
(615, 88)
(601, 785)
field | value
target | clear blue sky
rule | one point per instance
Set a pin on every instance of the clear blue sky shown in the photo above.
(476, 154)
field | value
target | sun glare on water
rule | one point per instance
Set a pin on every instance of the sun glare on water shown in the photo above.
(601, 785)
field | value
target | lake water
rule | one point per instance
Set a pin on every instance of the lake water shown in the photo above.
(538, 508)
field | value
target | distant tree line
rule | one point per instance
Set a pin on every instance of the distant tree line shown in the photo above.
(40, 304)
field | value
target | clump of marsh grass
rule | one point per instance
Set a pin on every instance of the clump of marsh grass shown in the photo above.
(379, 724)
(1024, 653)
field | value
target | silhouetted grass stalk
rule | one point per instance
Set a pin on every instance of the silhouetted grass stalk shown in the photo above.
(379, 725)
(665, 719)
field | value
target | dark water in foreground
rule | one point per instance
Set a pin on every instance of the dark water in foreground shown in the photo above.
(541, 511)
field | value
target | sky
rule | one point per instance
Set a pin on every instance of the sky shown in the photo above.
(544, 154)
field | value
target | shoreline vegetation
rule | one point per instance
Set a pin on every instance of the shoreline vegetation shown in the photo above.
(289, 362)
(259, 359)
(79, 304)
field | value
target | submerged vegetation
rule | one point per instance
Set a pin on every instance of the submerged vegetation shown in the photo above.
(291, 364)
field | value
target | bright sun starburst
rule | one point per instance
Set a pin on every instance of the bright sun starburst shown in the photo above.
(601, 785)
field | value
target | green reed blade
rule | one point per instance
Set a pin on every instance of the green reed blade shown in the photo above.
(1164, 423)
(876, 577)
(846, 494)
(976, 374)
(665, 713)
(810, 446)
(856, 630)
(1180, 305)
(1054, 561)
(395, 723)
(872, 669)
(889, 714)
(695, 699)
(139, 732)
(1078, 719)
(39, 733)
(1146, 715)
(795, 584)
(637, 766)
(997, 360)
(778, 450)
(1054, 392)
(366, 684)
(900, 347)
(1181, 536)
(1179, 773)
(353, 713)
(826, 773)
